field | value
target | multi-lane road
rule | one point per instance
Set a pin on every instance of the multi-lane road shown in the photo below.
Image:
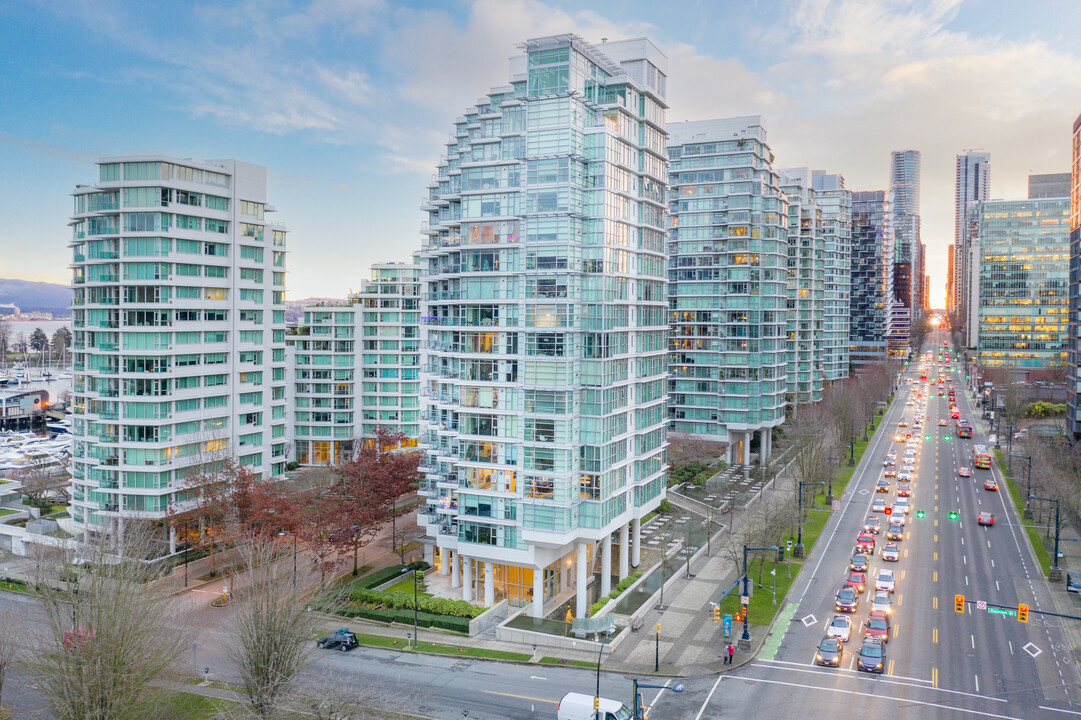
(971, 664)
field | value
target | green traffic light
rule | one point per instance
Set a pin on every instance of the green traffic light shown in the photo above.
(947, 437)
(953, 515)
(919, 513)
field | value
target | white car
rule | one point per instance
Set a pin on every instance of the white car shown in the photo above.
(901, 506)
(904, 475)
(885, 581)
(878, 506)
(891, 553)
(840, 627)
(882, 602)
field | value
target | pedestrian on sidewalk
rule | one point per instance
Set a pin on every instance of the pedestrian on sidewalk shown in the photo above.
(731, 653)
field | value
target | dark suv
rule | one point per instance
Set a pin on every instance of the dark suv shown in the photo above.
(341, 639)
(872, 656)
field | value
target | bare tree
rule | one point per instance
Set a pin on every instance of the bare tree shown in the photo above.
(8, 650)
(271, 634)
(38, 484)
(107, 631)
(842, 410)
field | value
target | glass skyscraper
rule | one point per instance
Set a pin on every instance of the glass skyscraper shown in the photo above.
(1023, 283)
(728, 256)
(179, 333)
(835, 205)
(545, 324)
(905, 170)
(1073, 377)
(806, 279)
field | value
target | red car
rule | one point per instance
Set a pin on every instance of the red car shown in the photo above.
(865, 543)
(878, 626)
(857, 581)
(955, 414)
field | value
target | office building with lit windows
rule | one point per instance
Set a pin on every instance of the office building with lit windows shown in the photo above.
(544, 378)
(905, 172)
(727, 270)
(179, 333)
(1023, 283)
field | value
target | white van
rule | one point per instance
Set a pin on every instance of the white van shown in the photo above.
(578, 706)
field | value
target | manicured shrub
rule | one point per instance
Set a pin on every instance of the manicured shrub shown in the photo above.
(598, 605)
(664, 506)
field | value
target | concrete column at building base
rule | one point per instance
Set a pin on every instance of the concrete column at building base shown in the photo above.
(581, 568)
(538, 592)
(467, 579)
(489, 584)
(606, 565)
(636, 541)
(624, 550)
(429, 554)
(455, 561)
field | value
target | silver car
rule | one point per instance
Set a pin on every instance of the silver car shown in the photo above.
(840, 627)
(882, 602)
(885, 581)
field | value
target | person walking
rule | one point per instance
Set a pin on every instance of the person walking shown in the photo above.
(731, 653)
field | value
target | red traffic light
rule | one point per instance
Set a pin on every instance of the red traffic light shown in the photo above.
(889, 511)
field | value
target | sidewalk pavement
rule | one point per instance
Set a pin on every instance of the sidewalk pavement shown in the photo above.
(690, 642)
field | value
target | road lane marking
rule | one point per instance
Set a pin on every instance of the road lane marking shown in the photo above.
(889, 669)
(934, 604)
(992, 562)
(708, 698)
(934, 631)
(902, 574)
(983, 713)
(936, 555)
(822, 671)
(1071, 712)
(935, 575)
(977, 683)
(936, 537)
(900, 599)
(906, 552)
(520, 697)
(936, 520)
(934, 677)
(973, 638)
(965, 559)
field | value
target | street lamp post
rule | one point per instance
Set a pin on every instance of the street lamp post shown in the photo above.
(799, 520)
(831, 461)
(745, 639)
(415, 632)
(597, 697)
(852, 450)
(1027, 515)
(1056, 573)
(637, 702)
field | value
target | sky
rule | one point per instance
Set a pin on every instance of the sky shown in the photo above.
(348, 103)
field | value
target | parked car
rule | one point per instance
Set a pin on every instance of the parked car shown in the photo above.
(343, 640)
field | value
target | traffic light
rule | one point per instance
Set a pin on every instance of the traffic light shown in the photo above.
(738, 617)
(1022, 612)
(953, 514)
(716, 613)
(780, 554)
(959, 604)
(888, 511)
(596, 704)
(919, 514)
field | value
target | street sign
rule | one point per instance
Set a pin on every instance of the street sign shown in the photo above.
(981, 604)
(1007, 612)
(744, 599)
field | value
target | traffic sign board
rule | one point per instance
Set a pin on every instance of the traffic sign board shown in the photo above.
(744, 599)
(1008, 612)
(981, 604)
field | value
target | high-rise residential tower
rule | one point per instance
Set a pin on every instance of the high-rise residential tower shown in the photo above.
(728, 253)
(835, 204)
(972, 183)
(806, 279)
(546, 327)
(905, 170)
(870, 328)
(179, 333)
(389, 334)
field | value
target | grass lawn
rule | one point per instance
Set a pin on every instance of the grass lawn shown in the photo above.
(427, 647)
(7, 511)
(188, 706)
(406, 586)
(1043, 556)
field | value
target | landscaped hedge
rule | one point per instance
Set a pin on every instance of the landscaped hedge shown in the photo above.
(616, 592)
(404, 601)
(444, 622)
(381, 576)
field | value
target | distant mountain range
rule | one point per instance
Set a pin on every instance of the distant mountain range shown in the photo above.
(36, 296)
